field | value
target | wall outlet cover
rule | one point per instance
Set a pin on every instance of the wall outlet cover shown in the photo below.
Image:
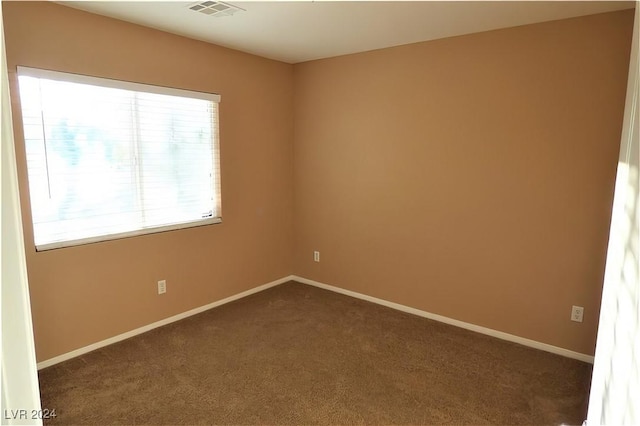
(577, 312)
(162, 286)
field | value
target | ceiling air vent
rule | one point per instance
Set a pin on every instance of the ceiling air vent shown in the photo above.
(215, 8)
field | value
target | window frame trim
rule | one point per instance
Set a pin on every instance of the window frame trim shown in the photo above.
(138, 232)
(115, 84)
(138, 87)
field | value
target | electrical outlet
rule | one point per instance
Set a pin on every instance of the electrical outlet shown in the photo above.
(316, 256)
(576, 313)
(162, 286)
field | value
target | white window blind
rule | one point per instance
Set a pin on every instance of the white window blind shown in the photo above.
(108, 159)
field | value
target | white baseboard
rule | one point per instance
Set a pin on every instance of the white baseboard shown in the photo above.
(478, 329)
(483, 330)
(128, 334)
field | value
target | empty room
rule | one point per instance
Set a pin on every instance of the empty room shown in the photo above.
(320, 212)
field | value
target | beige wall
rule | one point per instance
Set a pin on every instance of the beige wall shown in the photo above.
(470, 177)
(85, 294)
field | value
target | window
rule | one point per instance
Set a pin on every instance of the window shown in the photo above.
(109, 159)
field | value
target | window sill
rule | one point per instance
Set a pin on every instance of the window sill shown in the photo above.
(145, 231)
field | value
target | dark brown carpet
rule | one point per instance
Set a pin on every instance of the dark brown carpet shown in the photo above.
(296, 354)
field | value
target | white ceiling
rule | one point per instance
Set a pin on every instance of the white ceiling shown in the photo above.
(297, 31)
